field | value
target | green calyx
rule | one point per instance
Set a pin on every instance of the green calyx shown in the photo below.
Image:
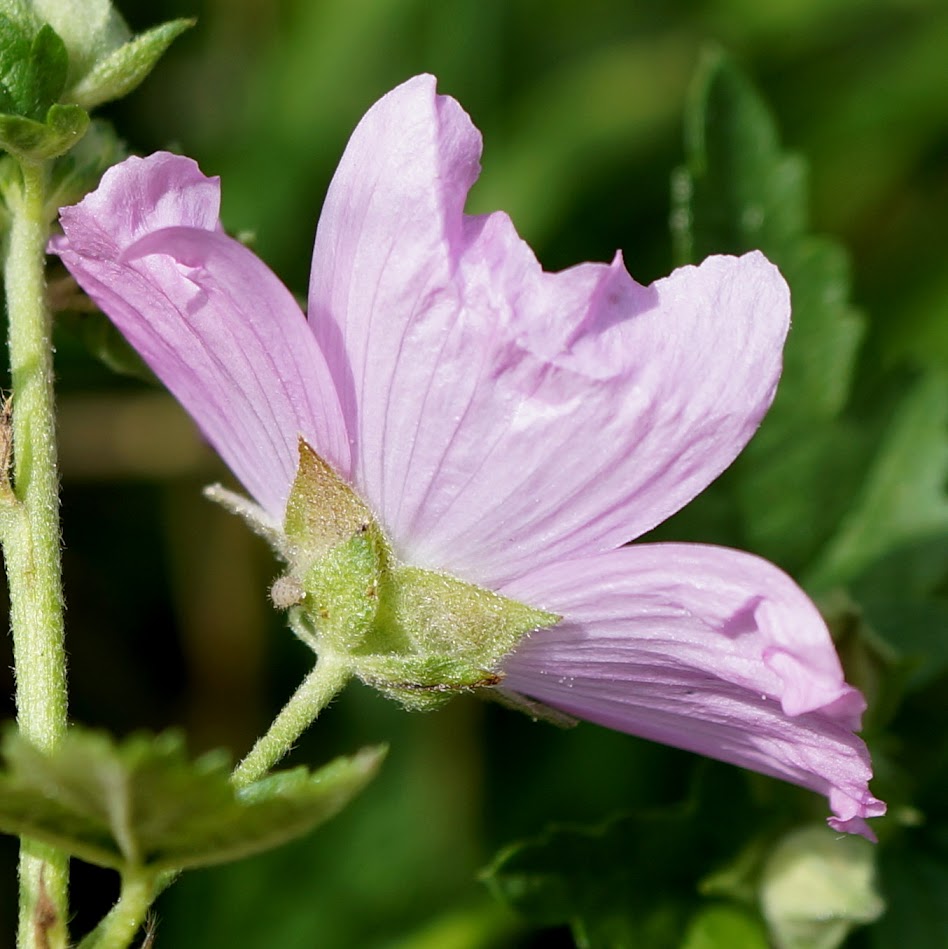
(417, 635)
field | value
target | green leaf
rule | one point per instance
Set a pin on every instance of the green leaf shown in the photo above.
(32, 68)
(142, 805)
(33, 125)
(48, 65)
(737, 191)
(613, 885)
(903, 497)
(36, 141)
(14, 50)
(899, 601)
(632, 881)
(740, 191)
(123, 69)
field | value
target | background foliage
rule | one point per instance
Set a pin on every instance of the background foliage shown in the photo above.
(586, 109)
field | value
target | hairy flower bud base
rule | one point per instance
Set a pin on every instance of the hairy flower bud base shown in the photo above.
(417, 635)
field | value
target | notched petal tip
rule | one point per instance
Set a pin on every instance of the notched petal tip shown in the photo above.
(212, 321)
(138, 196)
(854, 825)
(702, 648)
(851, 811)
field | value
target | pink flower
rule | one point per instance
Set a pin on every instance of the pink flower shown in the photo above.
(510, 427)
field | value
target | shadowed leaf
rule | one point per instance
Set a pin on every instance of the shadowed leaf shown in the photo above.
(142, 803)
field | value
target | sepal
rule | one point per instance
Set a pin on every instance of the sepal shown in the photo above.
(417, 635)
(423, 683)
(322, 511)
(341, 591)
(118, 73)
(438, 635)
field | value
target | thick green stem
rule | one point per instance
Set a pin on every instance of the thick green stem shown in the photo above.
(315, 692)
(31, 540)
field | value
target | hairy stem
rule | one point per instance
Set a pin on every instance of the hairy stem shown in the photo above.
(314, 694)
(125, 919)
(30, 535)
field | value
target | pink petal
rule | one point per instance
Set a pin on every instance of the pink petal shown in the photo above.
(504, 417)
(212, 321)
(702, 648)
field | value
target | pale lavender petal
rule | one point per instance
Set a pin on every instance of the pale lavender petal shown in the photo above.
(212, 321)
(504, 417)
(703, 648)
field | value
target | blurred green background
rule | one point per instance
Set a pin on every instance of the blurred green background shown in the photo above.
(582, 108)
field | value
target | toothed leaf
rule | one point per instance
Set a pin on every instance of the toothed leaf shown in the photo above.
(142, 804)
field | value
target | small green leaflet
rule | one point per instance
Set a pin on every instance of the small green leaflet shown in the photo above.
(141, 804)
